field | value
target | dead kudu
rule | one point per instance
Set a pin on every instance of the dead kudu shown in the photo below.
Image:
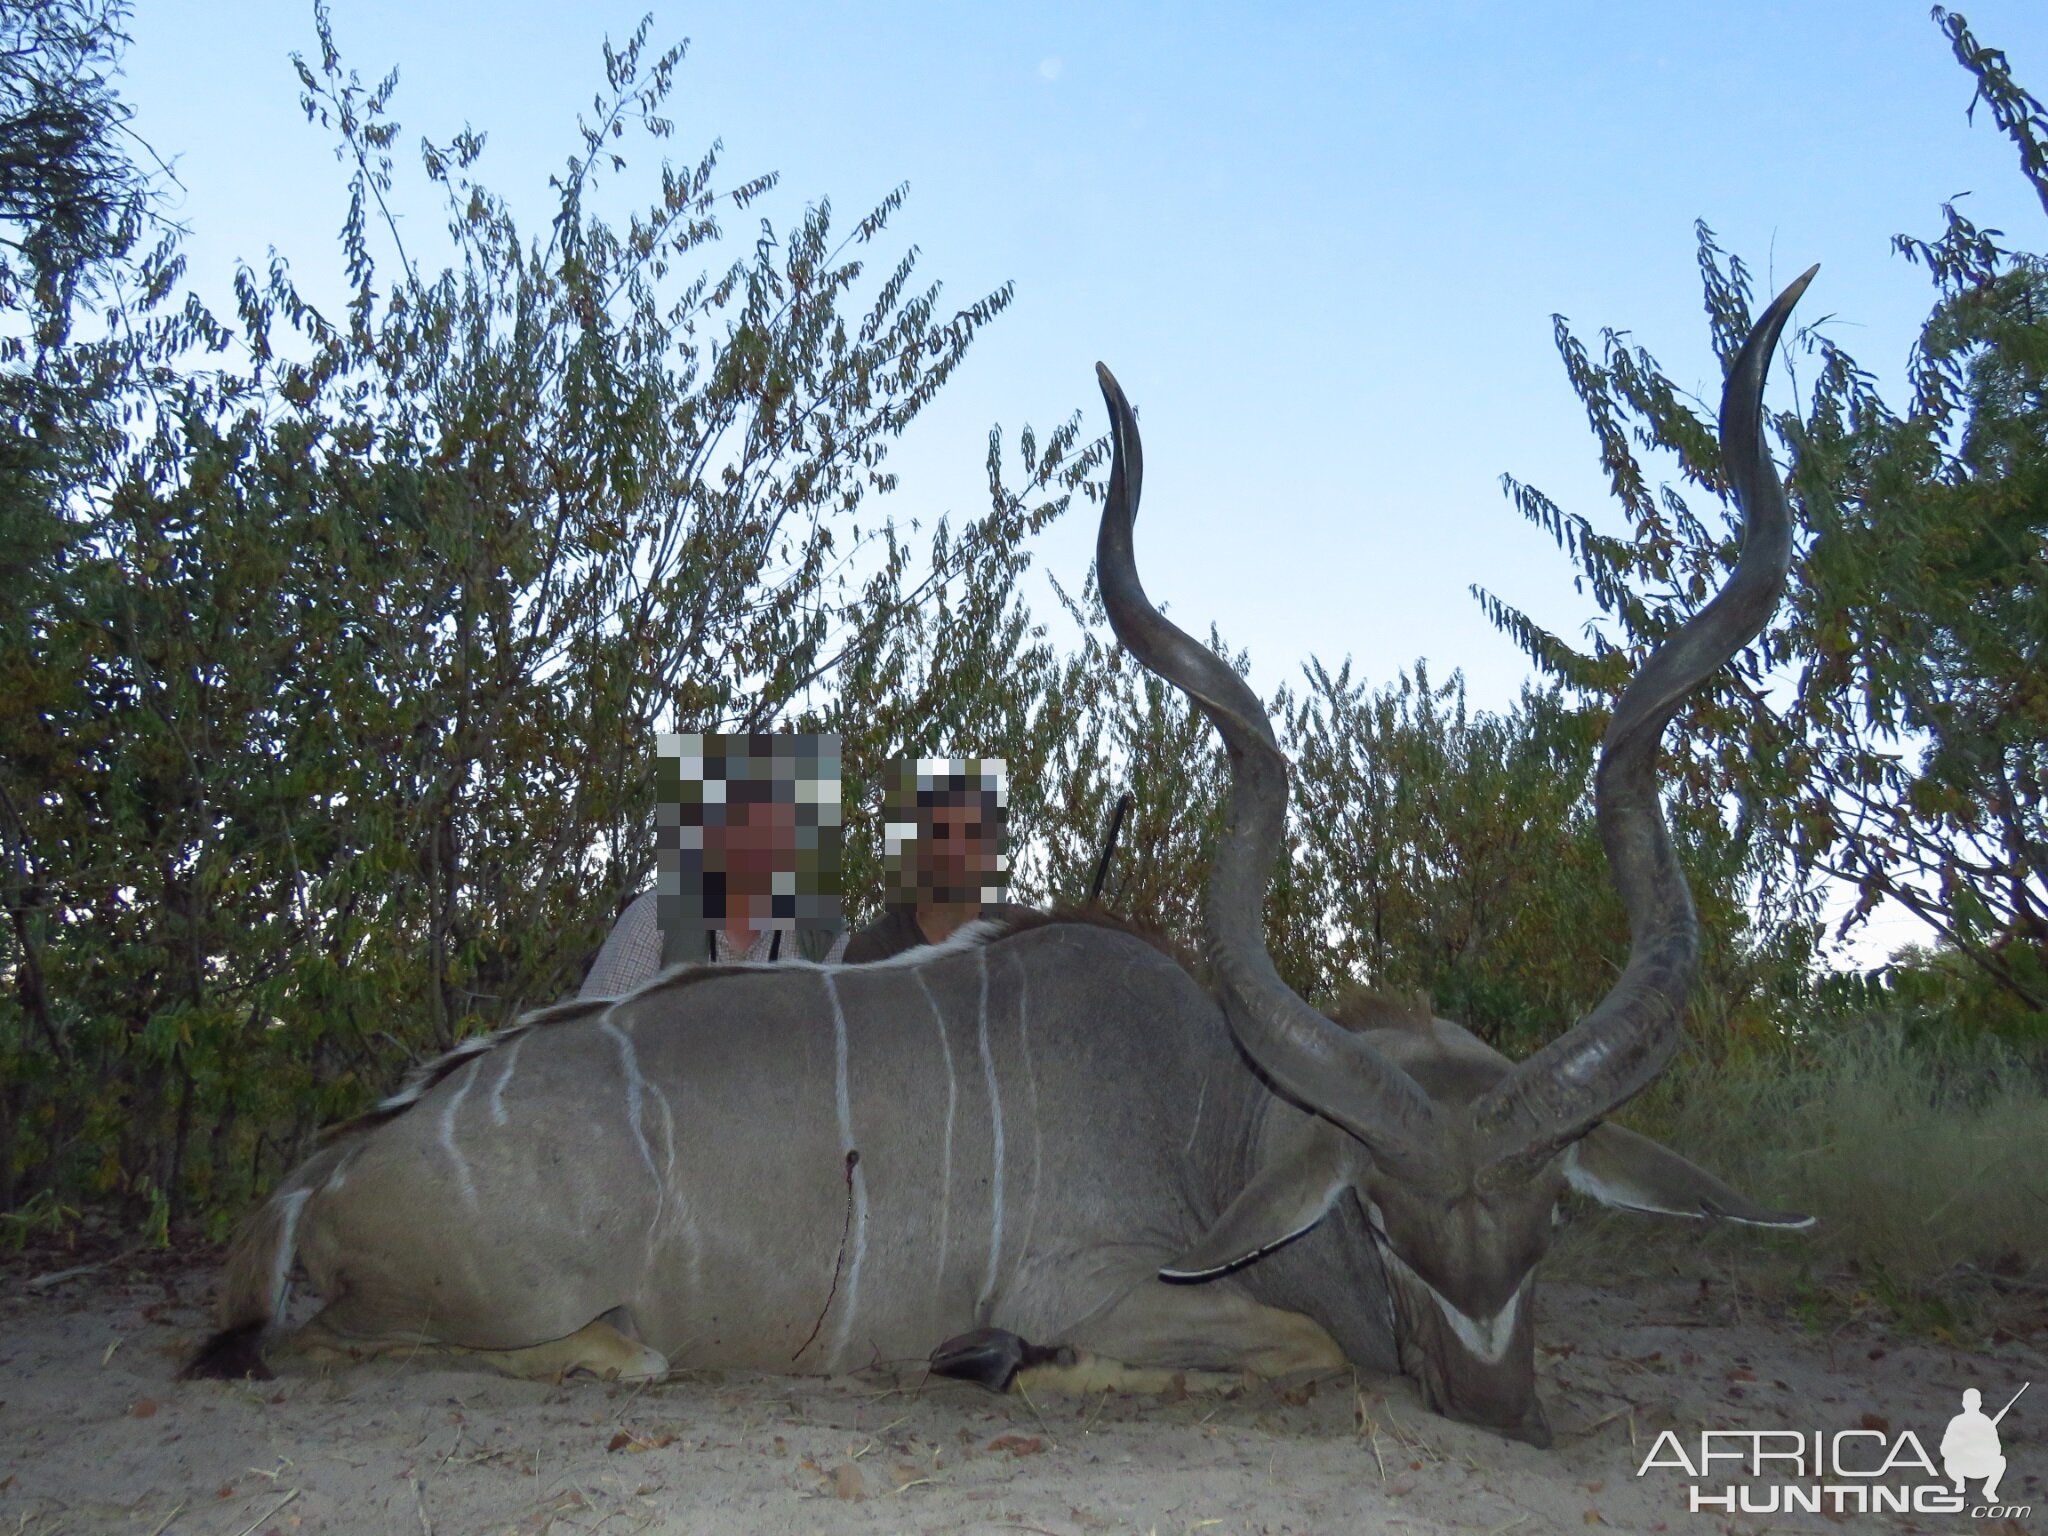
(1039, 1150)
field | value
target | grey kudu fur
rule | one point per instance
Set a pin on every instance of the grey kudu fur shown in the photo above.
(1036, 1150)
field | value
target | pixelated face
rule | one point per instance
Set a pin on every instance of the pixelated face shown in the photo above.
(757, 839)
(957, 850)
(943, 835)
(750, 828)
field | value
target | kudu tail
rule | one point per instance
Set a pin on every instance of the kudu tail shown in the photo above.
(257, 1279)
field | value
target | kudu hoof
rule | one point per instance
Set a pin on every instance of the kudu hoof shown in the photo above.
(992, 1357)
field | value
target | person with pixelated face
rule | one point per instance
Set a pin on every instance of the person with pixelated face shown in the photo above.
(747, 852)
(944, 847)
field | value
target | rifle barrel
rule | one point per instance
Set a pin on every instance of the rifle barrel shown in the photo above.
(2015, 1398)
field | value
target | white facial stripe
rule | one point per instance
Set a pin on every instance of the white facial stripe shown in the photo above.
(1486, 1338)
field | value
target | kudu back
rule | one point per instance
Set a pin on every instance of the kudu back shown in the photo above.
(1036, 1151)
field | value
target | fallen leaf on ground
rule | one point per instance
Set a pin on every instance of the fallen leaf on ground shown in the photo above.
(1017, 1445)
(634, 1445)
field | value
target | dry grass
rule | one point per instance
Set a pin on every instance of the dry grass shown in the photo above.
(1927, 1166)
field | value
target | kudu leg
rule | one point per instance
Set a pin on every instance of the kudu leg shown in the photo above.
(1003, 1362)
(599, 1348)
(1212, 1327)
(1157, 1338)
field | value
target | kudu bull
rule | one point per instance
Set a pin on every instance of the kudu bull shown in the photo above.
(1042, 1148)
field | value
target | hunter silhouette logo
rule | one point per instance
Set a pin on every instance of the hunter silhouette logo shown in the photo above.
(1970, 1449)
(1868, 1470)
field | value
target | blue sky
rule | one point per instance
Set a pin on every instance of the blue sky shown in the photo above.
(1320, 244)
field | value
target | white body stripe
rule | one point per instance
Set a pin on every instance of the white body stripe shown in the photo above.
(1201, 1098)
(972, 935)
(858, 1176)
(425, 1076)
(1037, 1137)
(636, 1087)
(995, 1117)
(287, 1245)
(504, 1077)
(678, 1208)
(946, 1145)
(448, 1111)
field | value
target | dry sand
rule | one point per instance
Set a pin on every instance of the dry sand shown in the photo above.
(96, 1436)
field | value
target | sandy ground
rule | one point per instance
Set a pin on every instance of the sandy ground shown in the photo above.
(95, 1435)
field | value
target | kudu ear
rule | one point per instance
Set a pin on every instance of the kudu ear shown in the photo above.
(1288, 1195)
(1633, 1173)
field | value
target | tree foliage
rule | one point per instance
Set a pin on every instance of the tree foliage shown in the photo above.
(1889, 728)
(1453, 854)
(333, 735)
(73, 203)
(334, 645)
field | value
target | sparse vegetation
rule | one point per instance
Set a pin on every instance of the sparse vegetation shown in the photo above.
(1887, 729)
(1923, 1151)
(327, 701)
